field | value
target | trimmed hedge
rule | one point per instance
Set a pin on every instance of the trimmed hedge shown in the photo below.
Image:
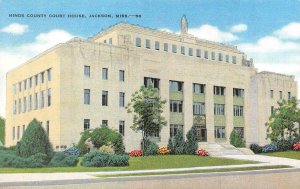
(98, 159)
(61, 159)
(283, 145)
(256, 148)
(269, 148)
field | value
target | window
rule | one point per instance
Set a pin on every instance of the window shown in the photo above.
(271, 93)
(121, 75)
(198, 88)
(213, 55)
(13, 133)
(23, 129)
(201, 133)
(138, 42)
(227, 58)
(166, 47)
(219, 90)
(233, 59)
(105, 122)
(176, 86)
(30, 82)
(122, 127)
(14, 89)
(198, 108)
(206, 54)
(238, 110)
(35, 101)
(289, 96)
(104, 73)
(48, 97)
(122, 99)
(155, 133)
(42, 77)
(174, 128)
(15, 108)
(48, 127)
(25, 84)
(87, 71)
(104, 98)
(219, 109)
(151, 81)
(240, 131)
(238, 92)
(110, 40)
(20, 86)
(198, 53)
(86, 96)
(156, 45)
(182, 50)
(20, 106)
(49, 74)
(272, 109)
(175, 106)
(220, 57)
(86, 124)
(104, 41)
(42, 99)
(280, 95)
(190, 52)
(36, 81)
(174, 48)
(30, 103)
(219, 132)
(18, 132)
(24, 104)
(147, 43)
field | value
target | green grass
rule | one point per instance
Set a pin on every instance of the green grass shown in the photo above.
(141, 163)
(200, 171)
(286, 154)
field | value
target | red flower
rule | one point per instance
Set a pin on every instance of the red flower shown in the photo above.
(136, 153)
(296, 146)
(201, 152)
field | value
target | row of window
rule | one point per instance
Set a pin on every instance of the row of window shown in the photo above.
(280, 95)
(86, 125)
(16, 130)
(33, 102)
(183, 51)
(28, 83)
(87, 73)
(104, 98)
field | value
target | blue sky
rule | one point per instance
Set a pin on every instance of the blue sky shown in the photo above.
(266, 30)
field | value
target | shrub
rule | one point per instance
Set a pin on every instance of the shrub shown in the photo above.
(296, 146)
(98, 159)
(178, 142)
(150, 149)
(256, 148)
(102, 136)
(202, 152)
(106, 149)
(118, 145)
(283, 145)
(171, 146)
(236, 139)
(295, 140)
(35, 140)
(82, 146)
(2, 130)
(191, 144)
(61, 159)
(136, 153)
(163, 151)
(72, 151)
(269, 148)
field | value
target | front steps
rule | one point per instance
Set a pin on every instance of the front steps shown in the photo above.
(220, 149)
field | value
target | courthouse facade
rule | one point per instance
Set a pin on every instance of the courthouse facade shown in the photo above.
(82, 84)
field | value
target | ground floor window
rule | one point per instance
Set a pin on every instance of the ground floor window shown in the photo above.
(239, 130)
(174, 128)
(201, 133)
(86, 124)
(220, 132)
(153, 134)
(122, 127)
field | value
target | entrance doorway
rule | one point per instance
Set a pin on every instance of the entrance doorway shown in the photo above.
(201, 133)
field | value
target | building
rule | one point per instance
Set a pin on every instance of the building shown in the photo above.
(82, 84)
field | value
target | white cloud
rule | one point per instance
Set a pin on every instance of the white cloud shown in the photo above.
(16, 55)
(290, 31)
(15, 29)
(166, 30)
(212, 33)
(239, 28)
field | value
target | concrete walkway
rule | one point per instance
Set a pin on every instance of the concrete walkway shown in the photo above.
(39, 177)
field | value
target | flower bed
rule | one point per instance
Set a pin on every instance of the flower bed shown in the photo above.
(136, 153)
(296, 146)
(201, 152)
(163, 151)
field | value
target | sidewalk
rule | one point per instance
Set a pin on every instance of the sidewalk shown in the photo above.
(38, 177)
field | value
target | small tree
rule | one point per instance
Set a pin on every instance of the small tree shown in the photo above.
(146, 107)
(82, 146)
(35, 140)
(281, 125)
(191, 142)
(236, 139)
(171, 146)
(178, 143)
(118, 145)
(102, 136)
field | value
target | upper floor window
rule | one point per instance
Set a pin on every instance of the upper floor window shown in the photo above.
(86, 96)
(156, 45)
(87, 71)
(104, 73)
(35, 101)
(238, 92)
(174, 48)
(219, 109)
(30, 82)
(86, 124)
(198, 108)
(20, 106)
(166, 47)
(220, 57)
(24, 104)
(42, 99)
(42, 77)
(198, 88)
(25, 84)
(190, 52)
(15, 108)
(233, 59)
(36, 80)
(49, 74)
(20, 86)
(15, 88)
(182, 49)
(151, 81)
(138, 42)
(175, 106)
(238, 110)
(122, 99)
(219, 90)
(110, 40)
(206, 54)
(198, 53)
(175, 86)
(48, 97)
(227, 58)
(121, 75)
(280, 95)
(30, 103)
(104, 98)
(147, 43)
(213, 56)
(271, 93)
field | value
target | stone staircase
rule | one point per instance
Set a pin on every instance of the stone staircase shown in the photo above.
(220, 149)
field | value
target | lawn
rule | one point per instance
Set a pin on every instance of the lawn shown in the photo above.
(286, 154)
(140, 163)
